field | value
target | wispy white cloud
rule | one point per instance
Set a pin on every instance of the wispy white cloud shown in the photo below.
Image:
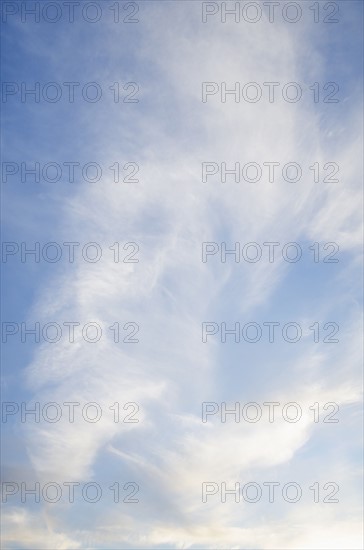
(170, 291)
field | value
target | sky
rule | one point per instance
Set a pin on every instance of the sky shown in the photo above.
(237, 291)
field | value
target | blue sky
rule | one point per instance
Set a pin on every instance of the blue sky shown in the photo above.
(170, 292)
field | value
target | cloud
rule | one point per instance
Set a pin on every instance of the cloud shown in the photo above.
(170, 291)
